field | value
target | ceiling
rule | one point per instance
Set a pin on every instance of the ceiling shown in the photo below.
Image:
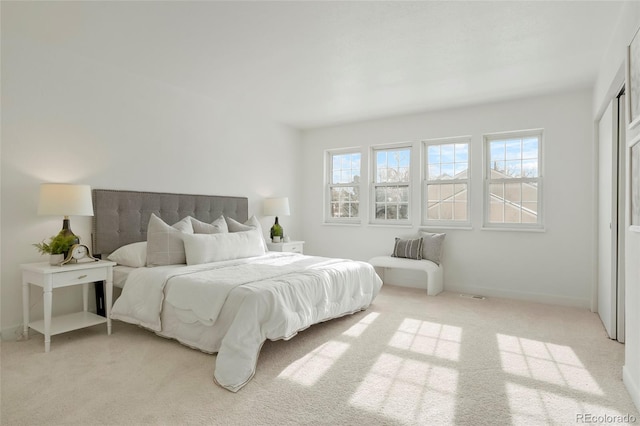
(311, 64)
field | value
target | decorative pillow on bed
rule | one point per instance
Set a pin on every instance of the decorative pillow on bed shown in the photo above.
(216, 227)
(235, 226)
(252, 223)
(164, 242)
(206, 248)
(134, 255)
(410, 249)
(432, 247)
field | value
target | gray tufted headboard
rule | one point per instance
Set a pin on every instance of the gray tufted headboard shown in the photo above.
(121, 217)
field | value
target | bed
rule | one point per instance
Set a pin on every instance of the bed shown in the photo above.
(229, 295)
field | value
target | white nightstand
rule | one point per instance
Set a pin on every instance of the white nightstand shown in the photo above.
(291, 246)
(50, 277)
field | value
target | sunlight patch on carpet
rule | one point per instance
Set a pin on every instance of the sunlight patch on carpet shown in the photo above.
(428, 338)
(540, 406)
(407, 390)
(357, 329)
(546, 362)
(311, 367)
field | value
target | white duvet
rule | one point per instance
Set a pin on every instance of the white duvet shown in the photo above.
(275, 296)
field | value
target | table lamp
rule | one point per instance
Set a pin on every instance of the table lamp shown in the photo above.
(60, 199)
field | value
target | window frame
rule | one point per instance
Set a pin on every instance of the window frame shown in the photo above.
(374, 149)
(426, 181)
(539, 180)
(328, 218)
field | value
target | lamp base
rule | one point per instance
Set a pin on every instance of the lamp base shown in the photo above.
(66, 230)
(276, 230)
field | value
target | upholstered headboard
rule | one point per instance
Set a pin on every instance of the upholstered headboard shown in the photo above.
(121, 217)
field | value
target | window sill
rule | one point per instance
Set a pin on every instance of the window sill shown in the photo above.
(341, 223)
(512, 229)
(453, 227)
(391, 225)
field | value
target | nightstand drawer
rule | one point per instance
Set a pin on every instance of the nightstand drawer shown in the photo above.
(292, 247)
(62, 279)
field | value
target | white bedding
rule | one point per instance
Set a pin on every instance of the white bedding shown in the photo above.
(241, 303)
(120, 274)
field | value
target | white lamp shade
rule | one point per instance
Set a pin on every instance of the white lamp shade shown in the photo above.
(62, 199)
(276, 207)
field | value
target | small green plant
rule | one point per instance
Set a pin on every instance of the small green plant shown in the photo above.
(57, 244)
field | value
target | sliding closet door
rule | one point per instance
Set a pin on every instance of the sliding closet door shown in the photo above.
(611, 217)
(622, 208)
(607, 219)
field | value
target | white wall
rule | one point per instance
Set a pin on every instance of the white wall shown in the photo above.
(551, 266)
(609, 81)
(66, 119)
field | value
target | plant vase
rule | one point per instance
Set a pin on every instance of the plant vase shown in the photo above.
(56, 259)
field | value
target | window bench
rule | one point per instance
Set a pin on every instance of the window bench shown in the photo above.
(434, 279)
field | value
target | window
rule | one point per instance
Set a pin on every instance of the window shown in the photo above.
(513, 180)
(391, 184)
(446, 182)
(344, 170)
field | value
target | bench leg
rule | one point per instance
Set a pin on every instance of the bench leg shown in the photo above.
(434, 282)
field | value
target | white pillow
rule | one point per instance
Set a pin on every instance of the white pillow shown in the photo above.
(253, 223)
(206, 248)
(164, 242)
(217, 226)
(134, 255)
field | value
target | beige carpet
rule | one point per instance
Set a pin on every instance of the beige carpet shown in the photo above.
(409, 359)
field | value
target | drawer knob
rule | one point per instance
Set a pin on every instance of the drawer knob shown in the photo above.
(82, 276)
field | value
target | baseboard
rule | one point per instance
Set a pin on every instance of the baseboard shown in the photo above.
(11, 333)
(521, 295)
(632, 387)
